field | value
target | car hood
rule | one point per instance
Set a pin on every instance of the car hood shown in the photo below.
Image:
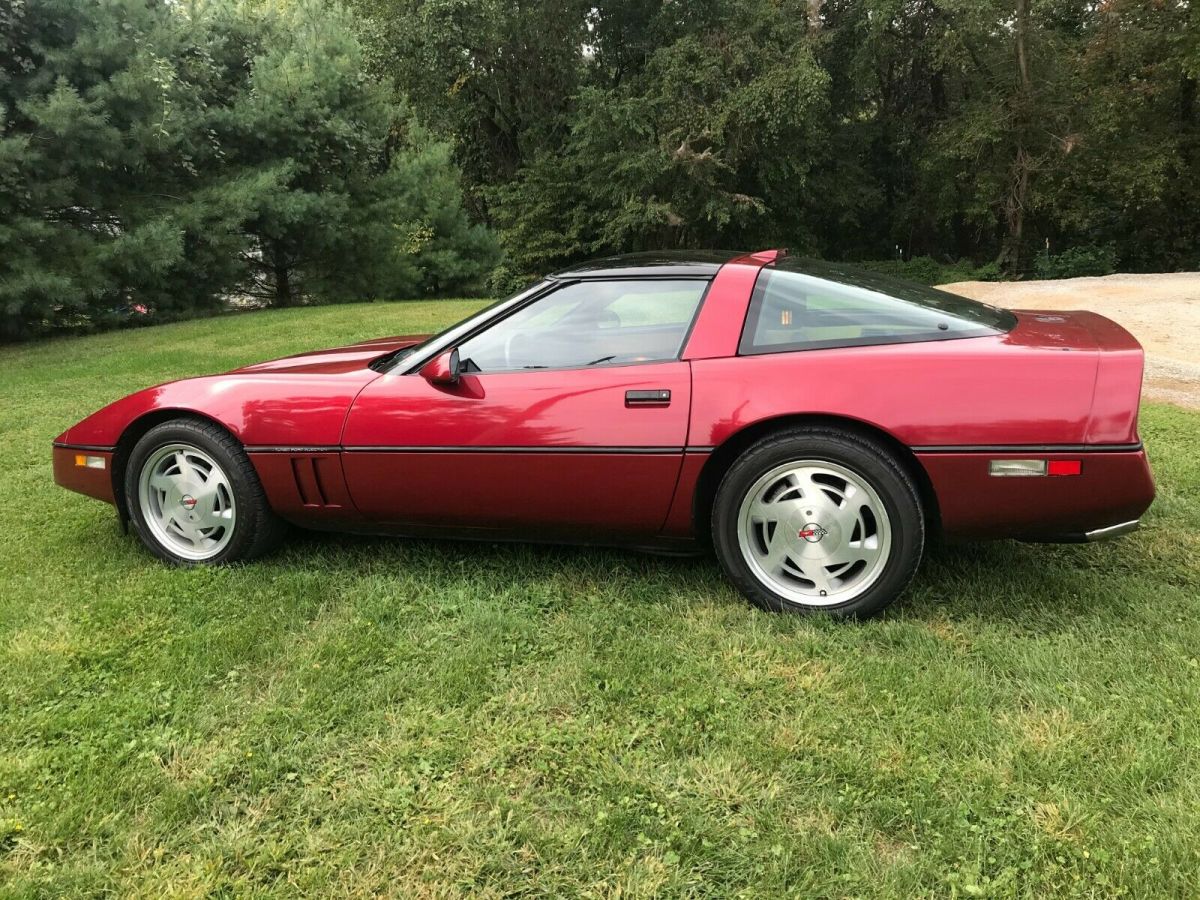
(336, 360)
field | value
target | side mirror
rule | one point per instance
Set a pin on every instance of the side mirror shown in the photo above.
(442, 369)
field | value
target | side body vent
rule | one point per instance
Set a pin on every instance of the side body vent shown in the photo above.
(306, 470)
(307, 488)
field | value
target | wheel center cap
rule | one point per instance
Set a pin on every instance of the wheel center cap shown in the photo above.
(812, 532)
(187, 501)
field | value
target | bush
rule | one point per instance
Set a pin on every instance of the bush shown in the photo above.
(505, 280)
(1076, 262)
(927, 270)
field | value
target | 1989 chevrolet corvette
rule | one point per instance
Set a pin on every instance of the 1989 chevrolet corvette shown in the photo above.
(811, 421)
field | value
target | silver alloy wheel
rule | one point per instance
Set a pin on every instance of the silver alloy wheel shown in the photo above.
(187, 501)
(814, 532)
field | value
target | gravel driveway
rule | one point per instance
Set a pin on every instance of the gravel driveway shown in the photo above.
(1162, 312)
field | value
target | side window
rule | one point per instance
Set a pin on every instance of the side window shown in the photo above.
(792, 310)
(590, 323)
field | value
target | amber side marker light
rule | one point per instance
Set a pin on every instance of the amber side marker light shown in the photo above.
(1027, 468)
(89, 462)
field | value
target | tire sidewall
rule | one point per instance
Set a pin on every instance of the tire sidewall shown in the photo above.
(895, 489)
(243, 493)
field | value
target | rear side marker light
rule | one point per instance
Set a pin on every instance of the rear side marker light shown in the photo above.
(89, 462)
(1064, 467)
(1027, 468)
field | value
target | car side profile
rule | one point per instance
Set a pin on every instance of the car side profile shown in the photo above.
(810, 421)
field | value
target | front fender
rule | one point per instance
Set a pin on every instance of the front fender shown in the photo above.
(258, 409)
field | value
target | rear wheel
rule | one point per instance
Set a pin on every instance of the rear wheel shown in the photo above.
(194, 497)
(819, 520)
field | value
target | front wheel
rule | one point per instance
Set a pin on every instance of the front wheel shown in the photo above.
(194, 497)
(819, 520)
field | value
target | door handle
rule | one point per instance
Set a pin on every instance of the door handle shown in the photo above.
(657, 397)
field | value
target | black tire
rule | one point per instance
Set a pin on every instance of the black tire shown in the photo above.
(256, 530)
(870, 461)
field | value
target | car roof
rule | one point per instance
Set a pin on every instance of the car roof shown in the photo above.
(659, 263)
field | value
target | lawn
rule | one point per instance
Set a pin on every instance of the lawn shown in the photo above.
(360, 716)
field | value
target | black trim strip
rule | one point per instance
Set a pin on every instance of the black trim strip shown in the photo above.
(1031, 448)
(95, 448)
(468, 449)
(941, 448)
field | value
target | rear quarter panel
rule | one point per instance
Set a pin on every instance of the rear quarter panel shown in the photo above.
(1061, 384)
(972, 391)
(1118, 382)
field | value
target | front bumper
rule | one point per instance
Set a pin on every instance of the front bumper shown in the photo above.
(76, 470)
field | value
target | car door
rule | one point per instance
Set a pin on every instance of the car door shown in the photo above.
(569, 419)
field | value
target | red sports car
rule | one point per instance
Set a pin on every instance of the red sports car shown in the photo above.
(811, 421)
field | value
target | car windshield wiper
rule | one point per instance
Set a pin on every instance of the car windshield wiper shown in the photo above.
(381, 363)
(596, 362)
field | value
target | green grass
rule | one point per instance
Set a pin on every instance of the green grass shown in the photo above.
(358, 715)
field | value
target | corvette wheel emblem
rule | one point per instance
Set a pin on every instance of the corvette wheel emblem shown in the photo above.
(812, 532)
(188, 501)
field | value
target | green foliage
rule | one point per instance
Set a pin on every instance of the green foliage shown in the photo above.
(973, 129)
(353, 202)
(96, 200)
(700, 146)
(160, 157)
(1075, 262)
(926, 270)
(440, 251)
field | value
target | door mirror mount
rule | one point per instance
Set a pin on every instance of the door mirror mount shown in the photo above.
(443, 369)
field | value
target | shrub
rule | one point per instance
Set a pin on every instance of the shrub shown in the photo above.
(1076, 262)
(927, 270)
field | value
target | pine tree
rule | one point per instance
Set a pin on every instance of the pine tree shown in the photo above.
(160, 157)
(98, 191)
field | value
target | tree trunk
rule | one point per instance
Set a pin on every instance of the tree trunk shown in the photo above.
(283, 282)
(1023, 163)
(1014, 212)
(1022, 47)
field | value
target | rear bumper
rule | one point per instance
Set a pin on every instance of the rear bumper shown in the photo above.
(1086, 537)
(1111, 492)
(1112, 531)
(74, 475)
